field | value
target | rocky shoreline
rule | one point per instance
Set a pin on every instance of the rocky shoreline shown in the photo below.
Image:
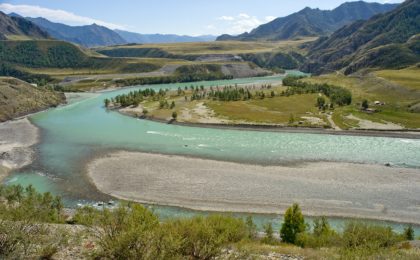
(16, 139)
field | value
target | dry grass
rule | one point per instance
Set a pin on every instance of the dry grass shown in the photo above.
(277, 110)
(409, 78)
(398, 89)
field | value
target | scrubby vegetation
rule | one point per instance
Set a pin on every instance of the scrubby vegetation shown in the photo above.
(28, 228)
(22, 213)
(18, 98)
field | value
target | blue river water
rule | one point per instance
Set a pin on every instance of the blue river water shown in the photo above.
(74, 134)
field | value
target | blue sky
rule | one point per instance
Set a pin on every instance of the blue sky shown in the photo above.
(192, 17)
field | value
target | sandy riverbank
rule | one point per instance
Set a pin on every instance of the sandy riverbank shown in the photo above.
(16, 139)
(332, 189)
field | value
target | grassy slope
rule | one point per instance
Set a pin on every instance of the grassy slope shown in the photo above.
(397, 88)
(408, 78)
(228, 47)
(73, 60)
(18, 98)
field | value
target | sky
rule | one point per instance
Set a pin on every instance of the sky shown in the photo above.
(186, 17)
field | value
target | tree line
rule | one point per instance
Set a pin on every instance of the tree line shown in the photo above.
(338, 95)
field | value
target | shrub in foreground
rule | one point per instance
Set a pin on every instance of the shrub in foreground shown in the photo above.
(204, 237)
(294, 224)
(322, 235)
(133, 232)
(357, 235)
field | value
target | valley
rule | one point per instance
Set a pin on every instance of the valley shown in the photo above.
(192, 138)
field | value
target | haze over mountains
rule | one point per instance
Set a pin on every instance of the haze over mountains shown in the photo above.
(131, 37)
(96, 35)
(312, 22)
(87, 35)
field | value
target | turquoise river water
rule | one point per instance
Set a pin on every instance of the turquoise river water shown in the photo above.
(72, 135)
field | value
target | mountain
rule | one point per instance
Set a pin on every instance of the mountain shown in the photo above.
(18, 98)
(390, 40)
(88, 35)
(17, 27)
(312, 22)
(162, 38)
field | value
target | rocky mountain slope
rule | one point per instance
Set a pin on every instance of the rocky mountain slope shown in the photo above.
(17, 27)
(390, 40)
(312, 22)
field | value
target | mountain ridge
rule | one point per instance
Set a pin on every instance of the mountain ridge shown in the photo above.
(86, 35)
(14, 26)
(132, 37)
(312, 22)
(390, 40)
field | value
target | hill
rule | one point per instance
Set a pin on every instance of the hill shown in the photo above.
(18, 98)
(390, 40)
(87, 35)
(312, 22)
(18, 28)
(161, 38)
(43, 61)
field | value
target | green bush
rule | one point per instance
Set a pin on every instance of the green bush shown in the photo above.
(26, 240)
(269, 234)
(322, 235)
(293, 224)
(133, 232)
(203, 238)
(359, 235)
(409, 233)
(27, 204)
(127, 232)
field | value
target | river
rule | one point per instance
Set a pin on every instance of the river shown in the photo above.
(74, 134)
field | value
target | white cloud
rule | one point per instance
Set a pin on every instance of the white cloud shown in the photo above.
(226, 18)
(55, 15)
(244, 16)
(240, 23)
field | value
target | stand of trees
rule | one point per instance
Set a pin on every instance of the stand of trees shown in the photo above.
(338, 95)
(135, 97)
